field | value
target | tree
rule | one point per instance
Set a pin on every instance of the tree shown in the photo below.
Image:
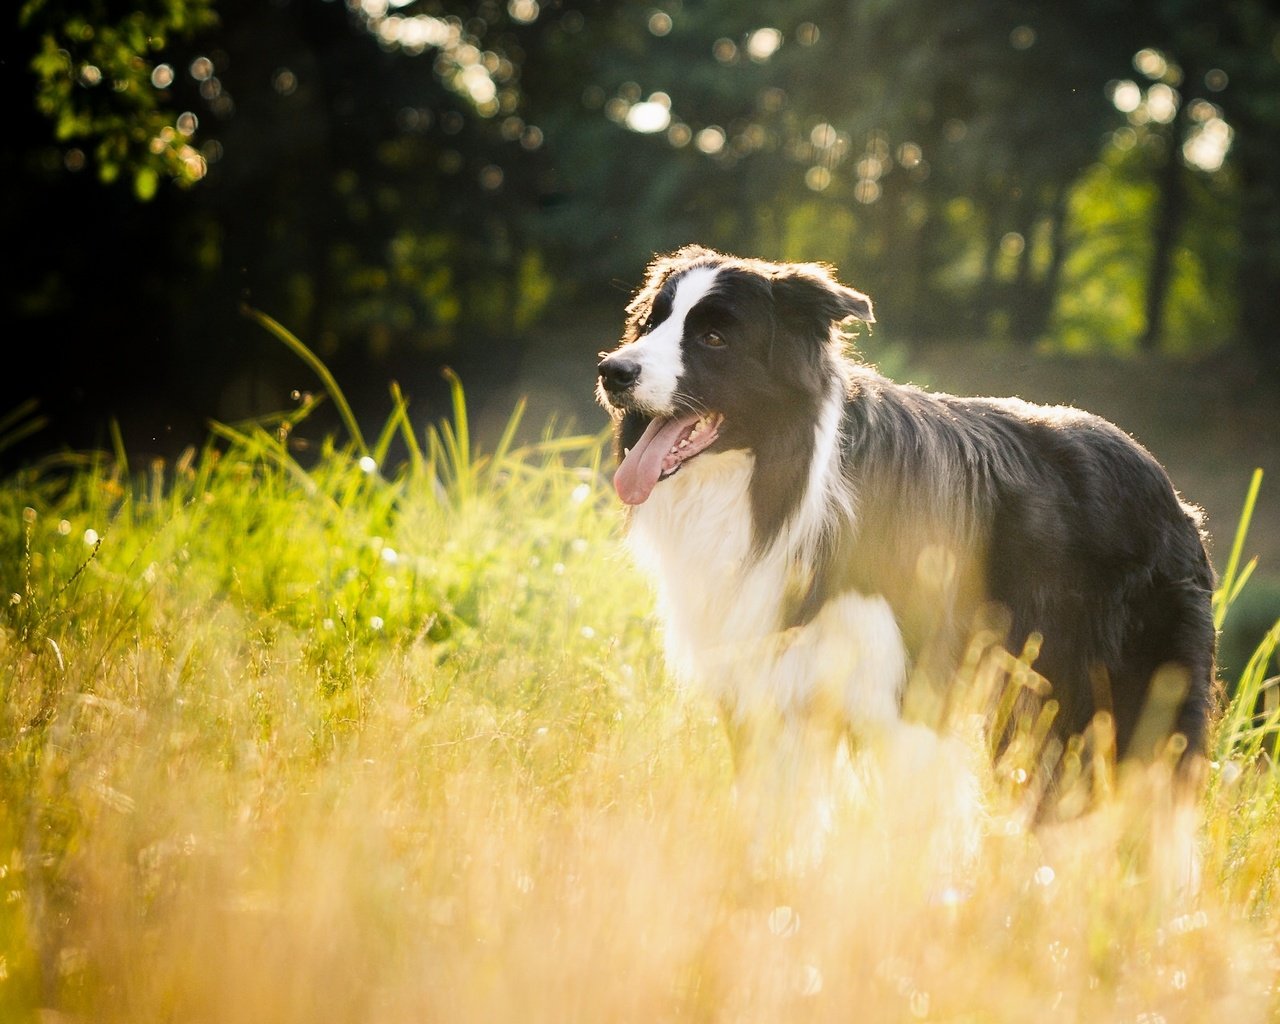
(102, 80)
(404, 180)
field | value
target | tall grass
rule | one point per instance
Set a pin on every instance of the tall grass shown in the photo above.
(340, 741)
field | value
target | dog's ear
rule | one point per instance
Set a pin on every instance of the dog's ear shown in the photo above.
(808, 292)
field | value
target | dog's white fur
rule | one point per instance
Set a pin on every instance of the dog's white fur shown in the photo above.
(721, 604)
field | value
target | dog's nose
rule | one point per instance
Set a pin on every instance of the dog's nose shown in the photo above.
(618, 373)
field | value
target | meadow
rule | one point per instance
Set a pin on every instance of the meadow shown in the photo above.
(315, 736)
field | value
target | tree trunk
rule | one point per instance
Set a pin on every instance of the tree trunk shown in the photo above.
(1057, 255)
(1171, 211)
(1260, 265)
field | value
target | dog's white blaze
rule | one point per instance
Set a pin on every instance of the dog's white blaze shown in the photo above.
(824, 499)
(722, 606)
(659, 352)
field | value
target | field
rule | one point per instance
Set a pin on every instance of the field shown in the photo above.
(311, 737)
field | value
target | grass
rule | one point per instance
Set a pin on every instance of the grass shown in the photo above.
(339, 741)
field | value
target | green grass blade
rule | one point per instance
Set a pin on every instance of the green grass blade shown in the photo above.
(22, 429)
(264, 445)
(117, 446)
(503, 448)
(1239, 735)
(1226, 589)
(295, 345)
(1241, 580)
(457, 439)
(400, 421)
(18, 413)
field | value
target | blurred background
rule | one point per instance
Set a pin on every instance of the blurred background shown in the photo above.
(1076, 202)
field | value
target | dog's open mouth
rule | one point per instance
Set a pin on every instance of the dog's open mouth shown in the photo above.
(663, 448)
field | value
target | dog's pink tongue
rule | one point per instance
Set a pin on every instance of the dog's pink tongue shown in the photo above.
(642, 467)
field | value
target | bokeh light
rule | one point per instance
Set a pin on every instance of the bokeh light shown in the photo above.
(817, 178)
(807, 33)
(524, 11)
(823, 135)
(1151, 63)
(1208, 144)
(651, 116)
(763, 43)
(725, 51)
(1162, 103)
(1023, 37)
(710, 140)
(284, 82)
(1126, 96)
(679, 135)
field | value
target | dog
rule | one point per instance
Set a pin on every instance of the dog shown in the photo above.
(824, 541)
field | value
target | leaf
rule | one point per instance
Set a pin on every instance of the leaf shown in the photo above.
(145, 183)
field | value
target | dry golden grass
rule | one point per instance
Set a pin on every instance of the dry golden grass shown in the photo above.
(312, 744)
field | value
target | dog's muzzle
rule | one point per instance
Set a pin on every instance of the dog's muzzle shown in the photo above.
(618, 374)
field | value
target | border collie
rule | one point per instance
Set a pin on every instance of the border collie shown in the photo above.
(820, 535)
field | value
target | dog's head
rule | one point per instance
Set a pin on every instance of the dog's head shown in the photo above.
(719, 353)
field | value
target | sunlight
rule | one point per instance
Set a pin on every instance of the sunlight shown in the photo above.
(866, 191)
(1023, 37)
(725, 51)
(823, 135)
(524, 11)
(1126, 96)
(660, 23)
(1151, 63)
(763, 43)
(710, 140)
(817, 178)
(652, 115)
(1208, 145)
(1162, 103)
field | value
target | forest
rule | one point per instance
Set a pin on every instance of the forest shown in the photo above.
(412, 184)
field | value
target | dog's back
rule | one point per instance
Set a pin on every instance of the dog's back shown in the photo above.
(1055, 517)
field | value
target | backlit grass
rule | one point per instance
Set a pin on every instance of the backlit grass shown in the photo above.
(349, 741)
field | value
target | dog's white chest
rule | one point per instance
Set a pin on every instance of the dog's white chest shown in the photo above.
(693, 536)
(722, 605)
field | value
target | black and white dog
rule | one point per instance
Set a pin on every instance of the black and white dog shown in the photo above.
(819, 534)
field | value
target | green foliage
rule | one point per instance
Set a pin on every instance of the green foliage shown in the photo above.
(966, 164)
(95, 74)
(1100, 305)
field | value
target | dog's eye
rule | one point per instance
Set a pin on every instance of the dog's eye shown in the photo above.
(713, 339)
